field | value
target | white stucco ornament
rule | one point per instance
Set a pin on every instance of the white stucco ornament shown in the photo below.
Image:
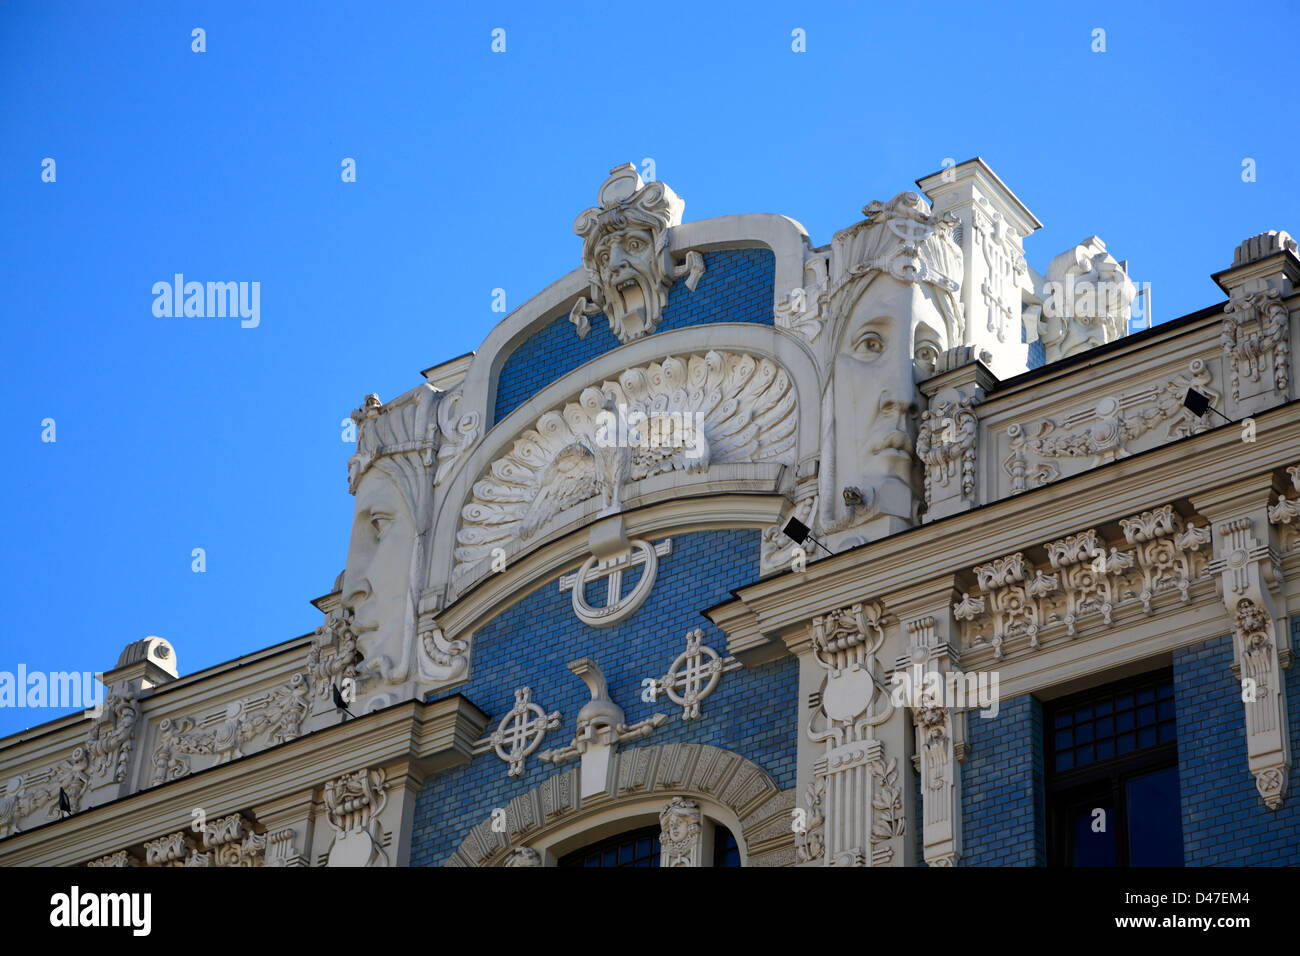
(1087, 299)
(733, 406)
(625, 252)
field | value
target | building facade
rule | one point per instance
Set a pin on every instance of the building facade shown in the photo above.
(726, 549)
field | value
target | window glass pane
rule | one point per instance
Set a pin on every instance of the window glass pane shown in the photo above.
(1124, 721)
(1093, 847)
(1105, 749)
(1155, 823)
(1065, 761)
(1126, 743)
(725, 851)
(1083, 734)
(1063, 741)
(638, 848)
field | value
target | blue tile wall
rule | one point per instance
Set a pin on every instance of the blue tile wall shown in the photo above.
(737, 286)
(1224, 820)
(753, 711)
(1003, 813)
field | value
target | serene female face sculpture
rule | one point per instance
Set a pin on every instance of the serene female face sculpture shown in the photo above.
(875, 383)
(391, 476)
(894, 312)
(376, 585)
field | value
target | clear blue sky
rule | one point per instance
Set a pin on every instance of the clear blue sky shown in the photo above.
(174, 433)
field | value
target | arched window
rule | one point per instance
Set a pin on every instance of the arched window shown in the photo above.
(642, 847)
(635, 848)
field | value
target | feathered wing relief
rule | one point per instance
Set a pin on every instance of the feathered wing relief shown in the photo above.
(682, 413)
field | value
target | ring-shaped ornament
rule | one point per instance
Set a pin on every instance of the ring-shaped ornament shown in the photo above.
(621, 607)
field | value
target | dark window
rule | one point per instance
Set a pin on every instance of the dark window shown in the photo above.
(637, 848)
(1112, 776)
(725, 851)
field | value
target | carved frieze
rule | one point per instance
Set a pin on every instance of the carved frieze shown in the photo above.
(1104, 432)
(276, 716)
(1090, 581)
(1015, 591)
(1169, 556)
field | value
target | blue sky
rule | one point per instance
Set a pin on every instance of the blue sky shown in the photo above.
(174, 433)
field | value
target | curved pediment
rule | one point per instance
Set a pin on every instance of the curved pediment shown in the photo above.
(685, 412)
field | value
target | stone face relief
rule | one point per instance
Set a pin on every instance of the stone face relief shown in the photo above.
(392, 476)
(625, 252)
(895, 312)
(376, 585)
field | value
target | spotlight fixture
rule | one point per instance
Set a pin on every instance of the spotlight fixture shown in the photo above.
(798, 532)
(341, 704)
(1198, 404)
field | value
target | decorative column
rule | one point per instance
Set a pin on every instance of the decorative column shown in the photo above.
(940, 736)
(1251, 584)
(855, 796)
(353, 803)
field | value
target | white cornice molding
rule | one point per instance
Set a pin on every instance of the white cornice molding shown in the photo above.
(785, 603)
(422, 737)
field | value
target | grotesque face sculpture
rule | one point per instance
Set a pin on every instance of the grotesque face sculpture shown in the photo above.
(625, 251)
(895, 312)
(629, 280)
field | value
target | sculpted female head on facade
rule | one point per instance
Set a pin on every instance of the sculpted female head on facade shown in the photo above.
(894, 311)
(392, 478)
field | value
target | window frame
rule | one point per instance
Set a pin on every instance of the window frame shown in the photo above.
(1066, 790)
